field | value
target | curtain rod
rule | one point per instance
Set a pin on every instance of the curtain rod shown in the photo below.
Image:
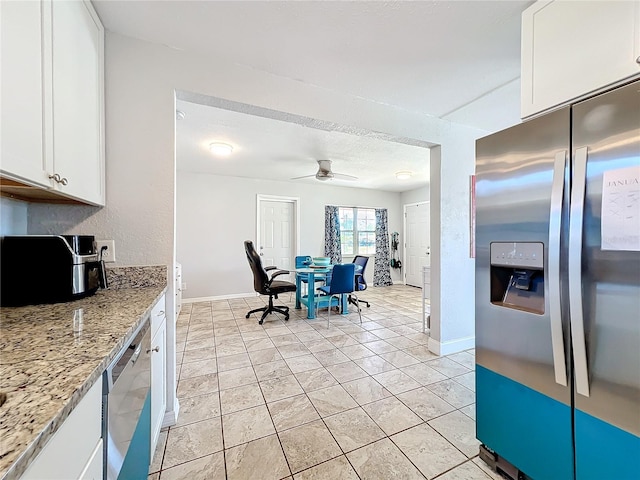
(355, 206)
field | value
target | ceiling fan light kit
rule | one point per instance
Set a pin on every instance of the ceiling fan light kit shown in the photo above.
(325, 173)
(220, 149)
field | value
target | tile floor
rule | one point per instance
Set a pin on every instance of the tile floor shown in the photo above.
(296, 400)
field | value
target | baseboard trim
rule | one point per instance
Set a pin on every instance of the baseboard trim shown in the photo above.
(171, 416)
(219, 297)
(453, 346)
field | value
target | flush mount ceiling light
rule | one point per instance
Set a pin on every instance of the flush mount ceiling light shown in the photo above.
(403, 175)
(179, 115)
(222, 149)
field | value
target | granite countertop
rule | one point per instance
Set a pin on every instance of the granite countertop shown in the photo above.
(46, 367)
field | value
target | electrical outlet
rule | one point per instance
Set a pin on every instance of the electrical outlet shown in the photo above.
(184, 286)
(109, 253)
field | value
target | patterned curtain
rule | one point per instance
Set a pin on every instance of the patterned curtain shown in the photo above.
(332, 247)
(382, 269)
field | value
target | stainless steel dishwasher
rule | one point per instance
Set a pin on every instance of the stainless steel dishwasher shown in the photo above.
(126, 410)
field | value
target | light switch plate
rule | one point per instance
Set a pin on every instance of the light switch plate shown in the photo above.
(109, 254)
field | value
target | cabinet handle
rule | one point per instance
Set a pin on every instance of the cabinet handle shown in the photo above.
(160, 313)
(157, 349)
(55, 177)
(64, 181)
(638, 60)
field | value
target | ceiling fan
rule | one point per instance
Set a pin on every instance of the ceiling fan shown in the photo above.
(324, 173)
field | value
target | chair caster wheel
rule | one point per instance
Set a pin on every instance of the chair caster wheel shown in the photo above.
(286, 318)
(247, 315)
(260, 322)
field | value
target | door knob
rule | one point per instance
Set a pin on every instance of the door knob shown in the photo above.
(261, 254)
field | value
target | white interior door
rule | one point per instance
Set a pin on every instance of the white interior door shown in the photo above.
(277, 234)
(417, 243)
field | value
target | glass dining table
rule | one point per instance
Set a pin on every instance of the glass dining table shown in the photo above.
(311, 300)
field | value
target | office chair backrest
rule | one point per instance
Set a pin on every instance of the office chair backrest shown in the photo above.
(260, 277)
(362, 261)
(342, 278)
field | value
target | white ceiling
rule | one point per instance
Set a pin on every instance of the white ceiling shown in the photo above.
(456, 60)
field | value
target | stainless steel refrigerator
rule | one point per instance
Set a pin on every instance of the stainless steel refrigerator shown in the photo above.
(558, 292)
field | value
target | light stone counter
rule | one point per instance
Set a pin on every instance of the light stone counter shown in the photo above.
(46, 368)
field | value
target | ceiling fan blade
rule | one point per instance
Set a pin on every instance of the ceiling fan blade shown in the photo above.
(343, 176)
(304, 176)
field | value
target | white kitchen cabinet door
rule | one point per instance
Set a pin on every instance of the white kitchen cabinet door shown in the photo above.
(93, 469)
(572, 49)
(158, 383)
(77, 39)
(22, 148)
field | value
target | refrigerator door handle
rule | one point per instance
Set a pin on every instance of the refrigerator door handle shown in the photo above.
(575, 272)
(555, 312)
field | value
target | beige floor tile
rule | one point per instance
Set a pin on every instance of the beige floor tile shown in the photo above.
(258, 344)
(402, 342)
(460, 430)
(246, 425)
(425, 403)
(236, 378)
(200, 343)
(331, 357)
(375, 364)
(210, 467)
(464, 358)
(467, 380)
(231, 362)
(353, 429)
(423, 374)
(319, 345)
(279, 388)
(192, 441)
(396, 381)
(355, 352)
(380, 346)
(469, 411)
(222, 331)
(391, 415)
(420, 338)
(283, 340)
(431, 453)
(308, 445)
(276, 329)
(399, 358)
(190, 387)
(453, 393)
(199, 354)
(229, 345)
(466, 471)
(268, 371)
(154, 476)
(364, 337)
(487, 471)
(292, 412)
(347, 371)
(382, 460)
(366, 390)
(331, 400)
(303, 363)
(447, 367)
(307, 335)
(384, 333)
(201, 407)
(337, 468)
(253, 335)
(263, 455)
(293, 350)
(316, 379)
(342, 340)
(267, 355)
(239, 398)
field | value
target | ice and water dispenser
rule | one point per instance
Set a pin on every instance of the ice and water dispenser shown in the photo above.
(517, 275)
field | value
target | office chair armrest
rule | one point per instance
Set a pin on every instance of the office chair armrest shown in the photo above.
(272, 267)
(278, 273)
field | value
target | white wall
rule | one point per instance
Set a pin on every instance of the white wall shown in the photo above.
(216, 214)
(13, 217)
(416, 195)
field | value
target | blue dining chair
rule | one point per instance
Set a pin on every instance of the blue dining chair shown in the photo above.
(343, 281)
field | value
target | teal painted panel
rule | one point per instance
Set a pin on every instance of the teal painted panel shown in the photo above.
(136, 462)
(605, 451)
(528, 429)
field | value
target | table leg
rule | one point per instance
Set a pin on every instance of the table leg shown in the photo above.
(298, 290)
(311, 301)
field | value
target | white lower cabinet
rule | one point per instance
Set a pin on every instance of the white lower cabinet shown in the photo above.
(158, 371)
(75, 450)
(426, 298)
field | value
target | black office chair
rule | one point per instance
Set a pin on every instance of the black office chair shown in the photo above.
(361, 283)
(265, 285)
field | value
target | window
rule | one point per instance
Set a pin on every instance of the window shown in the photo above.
(357, 230)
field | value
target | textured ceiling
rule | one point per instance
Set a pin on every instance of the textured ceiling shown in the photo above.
(456, 60)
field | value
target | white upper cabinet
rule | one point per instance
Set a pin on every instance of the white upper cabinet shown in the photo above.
(77, 45)
(22, 149)
(52, 130)
(571, 49)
